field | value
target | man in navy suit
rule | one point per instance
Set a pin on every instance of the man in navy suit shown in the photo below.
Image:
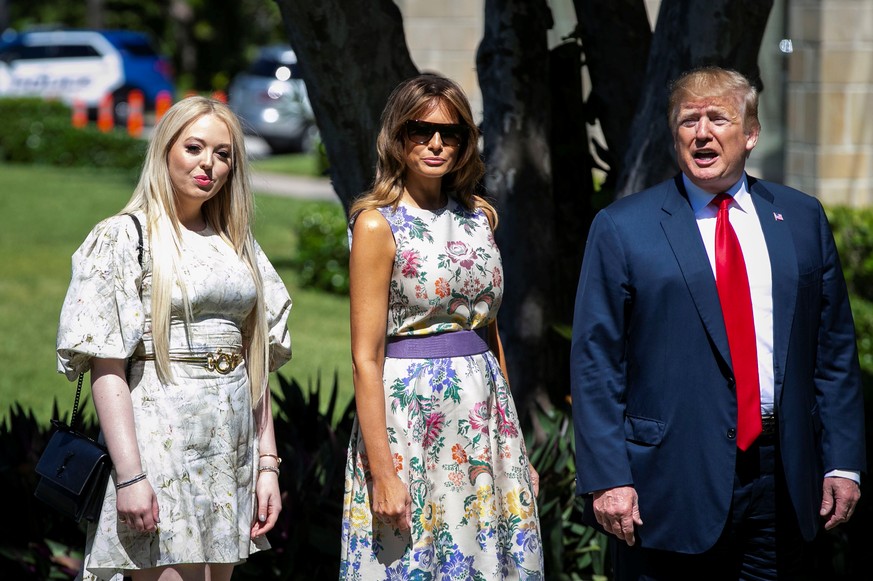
(716, 394)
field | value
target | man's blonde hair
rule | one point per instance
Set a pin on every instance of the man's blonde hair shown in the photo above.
(706, 82)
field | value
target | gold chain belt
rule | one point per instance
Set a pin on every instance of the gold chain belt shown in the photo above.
(219, 361)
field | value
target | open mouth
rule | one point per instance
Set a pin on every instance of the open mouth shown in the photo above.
(705, 157)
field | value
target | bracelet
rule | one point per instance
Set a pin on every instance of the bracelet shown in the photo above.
(134, 480)
(278, 460)
(268, 469)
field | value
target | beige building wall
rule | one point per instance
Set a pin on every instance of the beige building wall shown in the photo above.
(443, 37)
(818, 133)
(829, 134)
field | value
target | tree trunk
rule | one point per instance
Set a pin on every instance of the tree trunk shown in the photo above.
(352, 53)
(573, 187)
(182, 18)
(513, 66)
(616, 38)
(688, 34)
(94, 14)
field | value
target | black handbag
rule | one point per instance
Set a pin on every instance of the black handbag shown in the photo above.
(73, 470)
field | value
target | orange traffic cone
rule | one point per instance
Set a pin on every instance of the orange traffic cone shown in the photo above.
(163, 101)
(135, 103)
(80, 113)
(105, 116)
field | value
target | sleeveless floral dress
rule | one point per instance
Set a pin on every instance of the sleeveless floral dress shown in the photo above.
(452, 424)
(197, 437)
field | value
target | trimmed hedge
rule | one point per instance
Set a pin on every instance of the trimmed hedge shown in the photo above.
(41, 132)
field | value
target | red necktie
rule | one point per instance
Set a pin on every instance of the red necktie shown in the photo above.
(736, 307)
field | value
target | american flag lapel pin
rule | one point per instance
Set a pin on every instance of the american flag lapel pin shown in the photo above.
(777, 216)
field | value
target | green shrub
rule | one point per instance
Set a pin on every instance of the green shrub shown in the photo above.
(323, 249)
(853, 233)
(41, 132)
(571, 550)
(42, 544)
(306, 540)
(312, 444)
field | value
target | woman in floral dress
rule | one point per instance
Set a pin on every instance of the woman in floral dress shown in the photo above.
(179, 334)
(438, 482)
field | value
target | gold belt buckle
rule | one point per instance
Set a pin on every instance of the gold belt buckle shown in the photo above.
(222, 363)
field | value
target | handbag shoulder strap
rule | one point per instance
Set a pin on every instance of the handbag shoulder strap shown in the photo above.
(139, 234)
(139, 250)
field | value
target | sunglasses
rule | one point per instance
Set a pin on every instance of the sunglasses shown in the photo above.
(421, 132)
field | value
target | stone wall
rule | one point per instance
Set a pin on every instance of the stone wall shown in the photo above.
(443, 37)
(829, 127)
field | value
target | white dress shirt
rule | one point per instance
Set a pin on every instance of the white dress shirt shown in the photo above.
(745, 222)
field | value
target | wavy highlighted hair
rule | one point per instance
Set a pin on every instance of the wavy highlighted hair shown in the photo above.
(229, 213)
(413, 99)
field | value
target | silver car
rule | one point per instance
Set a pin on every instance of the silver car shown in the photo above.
(271, 101)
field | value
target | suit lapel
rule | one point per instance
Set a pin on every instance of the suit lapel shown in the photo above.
(683, 235)
(783, 266)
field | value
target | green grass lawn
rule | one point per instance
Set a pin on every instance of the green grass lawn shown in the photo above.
(47, 213)
(301, 164)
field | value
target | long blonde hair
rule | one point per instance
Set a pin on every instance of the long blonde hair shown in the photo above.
(229, 213)
(411, 99)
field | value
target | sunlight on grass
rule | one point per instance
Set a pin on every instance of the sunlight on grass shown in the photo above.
(300, 164)
(48, 212)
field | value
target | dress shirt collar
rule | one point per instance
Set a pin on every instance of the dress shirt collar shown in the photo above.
(700, 199)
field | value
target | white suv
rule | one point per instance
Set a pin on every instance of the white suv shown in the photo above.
(84, 65)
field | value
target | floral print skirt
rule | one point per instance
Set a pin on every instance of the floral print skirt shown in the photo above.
(455, 437)
(197, 445)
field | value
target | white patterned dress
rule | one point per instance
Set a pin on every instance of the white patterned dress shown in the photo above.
(197, 437)
(452, 425)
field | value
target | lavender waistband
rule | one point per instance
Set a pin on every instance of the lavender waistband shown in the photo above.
(451, 344)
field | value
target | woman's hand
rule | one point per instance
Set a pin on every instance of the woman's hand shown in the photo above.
(534, 479)
(138, 507)
(269, 503)
(391, 503)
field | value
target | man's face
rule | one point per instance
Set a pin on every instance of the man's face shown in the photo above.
(711, 142)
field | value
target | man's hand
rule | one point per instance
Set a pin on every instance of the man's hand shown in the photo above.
(617, 510)
(839, 498)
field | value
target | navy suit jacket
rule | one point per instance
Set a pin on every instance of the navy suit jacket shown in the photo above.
(654, 404)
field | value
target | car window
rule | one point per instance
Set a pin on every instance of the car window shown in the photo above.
(137, 48)
(76, 51)
(36, 52)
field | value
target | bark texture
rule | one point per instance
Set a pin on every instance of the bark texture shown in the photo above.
(687, 34)
(352, 53)
(616, 38)
(513, 66)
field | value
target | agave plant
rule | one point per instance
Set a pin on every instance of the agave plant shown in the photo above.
(312, 444)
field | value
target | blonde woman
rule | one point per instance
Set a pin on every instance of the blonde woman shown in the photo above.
(180, 335)
(438, 482)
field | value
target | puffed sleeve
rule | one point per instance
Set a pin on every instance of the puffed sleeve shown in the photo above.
(278, 303)
(103, 314)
